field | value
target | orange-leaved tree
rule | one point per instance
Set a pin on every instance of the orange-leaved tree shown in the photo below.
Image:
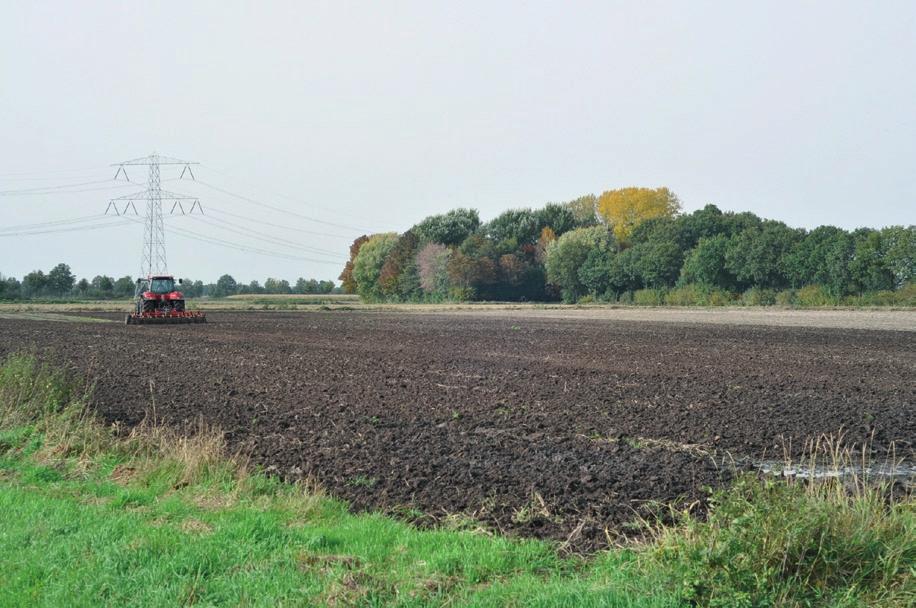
(346, 277)
(627, 208)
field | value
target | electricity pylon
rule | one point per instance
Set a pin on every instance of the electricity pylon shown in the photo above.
(154, 260)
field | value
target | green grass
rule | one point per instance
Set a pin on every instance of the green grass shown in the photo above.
(92, 516)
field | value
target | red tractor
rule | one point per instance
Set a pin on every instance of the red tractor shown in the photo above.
(158, 301)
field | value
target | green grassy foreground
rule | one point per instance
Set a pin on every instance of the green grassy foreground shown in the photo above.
(91, 516)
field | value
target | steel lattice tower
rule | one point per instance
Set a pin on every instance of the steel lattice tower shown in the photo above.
(153, 255)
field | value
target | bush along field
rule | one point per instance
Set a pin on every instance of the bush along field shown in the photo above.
(633, 246)
(102, 515)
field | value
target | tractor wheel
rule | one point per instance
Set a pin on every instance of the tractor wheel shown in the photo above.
(179, 305)
(149, 305)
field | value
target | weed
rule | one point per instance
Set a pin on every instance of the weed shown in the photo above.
(826, 541)
(361, 481)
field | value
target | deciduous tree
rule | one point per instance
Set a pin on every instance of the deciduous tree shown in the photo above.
(450, 228)
(567, 254)
(368, 264)
(60, 280)
(348, 283)
(627, 208)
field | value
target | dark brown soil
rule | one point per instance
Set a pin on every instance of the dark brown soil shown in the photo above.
(541, 427)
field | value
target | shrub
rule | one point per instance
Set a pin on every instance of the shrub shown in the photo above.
(719, 297)
(757, 296)
(786, 297)
(905, 296)
(698, 295)
(814, 295)
(649, 297)
(687, 295)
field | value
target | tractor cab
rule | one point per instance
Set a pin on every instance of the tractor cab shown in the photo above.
(162, 285)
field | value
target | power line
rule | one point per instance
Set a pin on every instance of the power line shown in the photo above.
(48, 171)
(42, 189)
(203, 238)
(278, 194)
(154, 249)
(75, 220)
(237, 229)
(47, 178)
(70, 229)
(281, 209)
(102, 189)
(211, 210)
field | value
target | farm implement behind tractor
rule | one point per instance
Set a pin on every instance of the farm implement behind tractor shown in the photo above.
(159, 302)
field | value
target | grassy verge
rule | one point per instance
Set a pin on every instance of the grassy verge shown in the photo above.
(93, 516)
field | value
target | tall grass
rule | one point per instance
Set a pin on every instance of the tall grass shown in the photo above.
(822, 538)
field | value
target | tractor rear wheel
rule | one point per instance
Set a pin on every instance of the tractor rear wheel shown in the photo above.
(179, 305)
(149, 305)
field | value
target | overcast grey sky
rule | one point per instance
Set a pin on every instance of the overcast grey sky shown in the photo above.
(372, 115)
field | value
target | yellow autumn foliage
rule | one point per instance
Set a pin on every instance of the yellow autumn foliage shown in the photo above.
(627, 208)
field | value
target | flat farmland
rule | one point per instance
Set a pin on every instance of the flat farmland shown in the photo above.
(529, 422)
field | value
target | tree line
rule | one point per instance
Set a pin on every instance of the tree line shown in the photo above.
(60, 282)
(629, 245)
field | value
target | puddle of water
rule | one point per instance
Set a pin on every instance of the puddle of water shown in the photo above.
(780, 469)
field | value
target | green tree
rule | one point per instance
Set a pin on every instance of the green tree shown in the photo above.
(513, 228)
(705, 264)
(450, 228)
(867, 269)
(82, 287)
(102, 286)
(189, 288)
(398, 277)
(595, 272)
(225, 286)
(10, 288)
(34, 284)
(822, 257)
(899, 244)
(568, 253)
(584, 210)
(557, 217)
(305, 286)
(756, 255)
(124, 287)
(658, 262)
(368, 264)
(276, 286)
(60, 280)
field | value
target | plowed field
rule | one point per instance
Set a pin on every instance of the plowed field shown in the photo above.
(558, 428)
